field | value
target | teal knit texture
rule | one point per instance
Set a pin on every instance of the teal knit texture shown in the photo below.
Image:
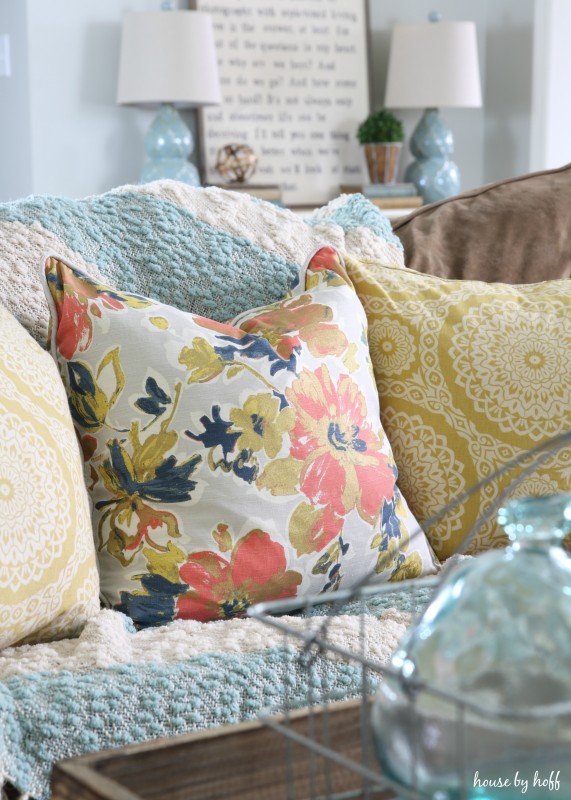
(148, 245)
(207, 251)
(47, 716)
(357, 212)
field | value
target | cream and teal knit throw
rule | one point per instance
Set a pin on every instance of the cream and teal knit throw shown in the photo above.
(214, 253)
(114, 686)
(208, 251)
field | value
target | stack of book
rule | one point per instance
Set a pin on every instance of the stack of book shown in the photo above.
(388, 195)
(267, 191)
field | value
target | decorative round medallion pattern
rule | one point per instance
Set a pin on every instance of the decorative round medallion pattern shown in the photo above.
(30, 500)
(514, 367)
(488, 375)
(47, 555)
(392, 346)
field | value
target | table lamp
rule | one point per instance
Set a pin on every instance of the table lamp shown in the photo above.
(168, 60)
(433, 65)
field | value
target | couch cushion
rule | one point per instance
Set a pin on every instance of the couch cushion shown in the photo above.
(231, 463)
(48, 576)
(470, 375)
(515, 231)
(208, 251)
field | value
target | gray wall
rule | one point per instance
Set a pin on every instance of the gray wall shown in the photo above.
(492, 142)
(82, 142)
(508, 88)
(15, 137)
(62, 132)
(551, 120)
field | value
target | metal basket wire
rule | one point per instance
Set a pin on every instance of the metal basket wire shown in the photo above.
(324, 760)
(328, 754)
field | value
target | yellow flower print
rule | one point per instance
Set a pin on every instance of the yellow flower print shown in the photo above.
(411, 567)
(310, 529)
(202, 360)
(166, 563)
(281, 476)
(89, 404)
(161, 323)
(262, 424)
(142, 480)
(222, 537)
(350, 358)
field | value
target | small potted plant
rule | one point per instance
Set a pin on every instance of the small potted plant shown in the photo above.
(382, 135)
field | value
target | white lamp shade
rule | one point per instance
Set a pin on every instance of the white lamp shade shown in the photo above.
(434, 65)
(168, 57)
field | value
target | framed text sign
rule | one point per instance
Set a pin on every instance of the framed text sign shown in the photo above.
(295, 86)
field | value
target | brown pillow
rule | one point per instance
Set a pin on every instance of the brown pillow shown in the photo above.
(515, 231)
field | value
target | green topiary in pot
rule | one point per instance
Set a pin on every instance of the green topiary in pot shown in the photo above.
(380, 126)
(382, 135)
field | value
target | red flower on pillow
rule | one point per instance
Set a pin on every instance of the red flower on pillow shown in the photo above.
(299, 320)
(220, 588)
(326, 259)
(71, 299)
(74, 330)
(343, 466)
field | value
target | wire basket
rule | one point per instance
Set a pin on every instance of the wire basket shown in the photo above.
(341, 762)
(340, 758)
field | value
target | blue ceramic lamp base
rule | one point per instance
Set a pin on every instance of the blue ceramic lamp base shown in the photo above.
(169, 144)
(433, 173)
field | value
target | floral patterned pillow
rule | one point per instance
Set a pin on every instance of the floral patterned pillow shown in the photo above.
(230, 463)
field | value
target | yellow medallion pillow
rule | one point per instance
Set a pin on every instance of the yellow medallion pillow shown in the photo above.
(470, 375)
(49, 585)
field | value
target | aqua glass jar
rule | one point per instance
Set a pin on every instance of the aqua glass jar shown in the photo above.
(478, 700)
